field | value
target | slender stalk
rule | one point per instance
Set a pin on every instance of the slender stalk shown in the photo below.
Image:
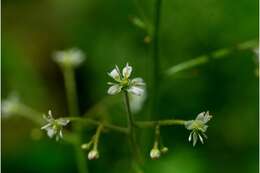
(203, 59)
(70, 86)
(131, 128)
(97, 135)
(147, 124)
(29, 113)
(155, 55)
(97, 123)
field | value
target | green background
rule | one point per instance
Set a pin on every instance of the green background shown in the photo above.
(228, 87)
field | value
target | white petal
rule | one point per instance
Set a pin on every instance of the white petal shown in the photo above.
(138, 81)
(195, 138)
(51, 132)
(201, 139)
(127, 70)
(190, 136)
(62, 121)
(46, 126)
(200, 116)
(114, 89)
(115, 75)
(61, 135)
(137, 102)
(136, 90)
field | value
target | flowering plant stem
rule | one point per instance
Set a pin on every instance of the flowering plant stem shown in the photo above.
(131, 129)
(70, 85)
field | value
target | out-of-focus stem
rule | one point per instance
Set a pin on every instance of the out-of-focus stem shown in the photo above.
(70, 85)
(203, 59)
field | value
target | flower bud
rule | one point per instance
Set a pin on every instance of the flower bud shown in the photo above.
(164, 150)
(86, 146)
(93, 155)
(155, 153)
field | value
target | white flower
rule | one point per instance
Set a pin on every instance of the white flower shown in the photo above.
(54, 126)
(69, 58)
(93, 155)
(10, 105)
(198, 127)
(155, 153)
(134, 86)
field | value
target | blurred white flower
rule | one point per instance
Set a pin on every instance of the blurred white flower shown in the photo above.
(69, 58)
(198, 127)
(10, 105)
(137, 101)
(54, 126)
(134, 86)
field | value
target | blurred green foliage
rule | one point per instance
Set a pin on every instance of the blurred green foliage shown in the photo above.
(32, 30)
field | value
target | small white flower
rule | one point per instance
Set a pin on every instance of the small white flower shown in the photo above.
(93, 155)
(155, 153)
(69, 58)
(54, 126)
(134, 86)
(198, 127)
(10, 105)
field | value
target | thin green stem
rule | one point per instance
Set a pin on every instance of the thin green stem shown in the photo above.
(29, 113)
(131, 128)
(97, 135)
(147, 124)
(70, 85)
(97, 123)
(157, 136)
(203, 59)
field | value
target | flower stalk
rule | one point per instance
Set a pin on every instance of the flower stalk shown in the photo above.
(131, 129)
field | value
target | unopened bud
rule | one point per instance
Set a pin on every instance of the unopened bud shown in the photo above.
(164, 150)
(93, 155)
(86, 146)
(155, 153)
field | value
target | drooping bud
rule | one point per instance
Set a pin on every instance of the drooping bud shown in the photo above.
(155, 154)
(164, 150)
(93, 155)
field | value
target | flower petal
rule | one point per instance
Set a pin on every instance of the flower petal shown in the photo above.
(195, 138)
(114, 89)
(46, 126)
(138, 82)
(127, 70)
(62, 121)
(115, 75)
(51, 132)
(136, 90)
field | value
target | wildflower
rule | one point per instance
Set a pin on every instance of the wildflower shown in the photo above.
(70, 58)
(198, 127)
(155, 153)
(134, 86)
(10, 105)
(93, 154)
(54, 126)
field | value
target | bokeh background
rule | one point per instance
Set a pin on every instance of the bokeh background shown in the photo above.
(228, 87)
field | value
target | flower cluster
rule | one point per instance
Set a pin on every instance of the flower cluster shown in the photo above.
(70, 58)
(123, 82)
(198, 127)
(54, 126)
